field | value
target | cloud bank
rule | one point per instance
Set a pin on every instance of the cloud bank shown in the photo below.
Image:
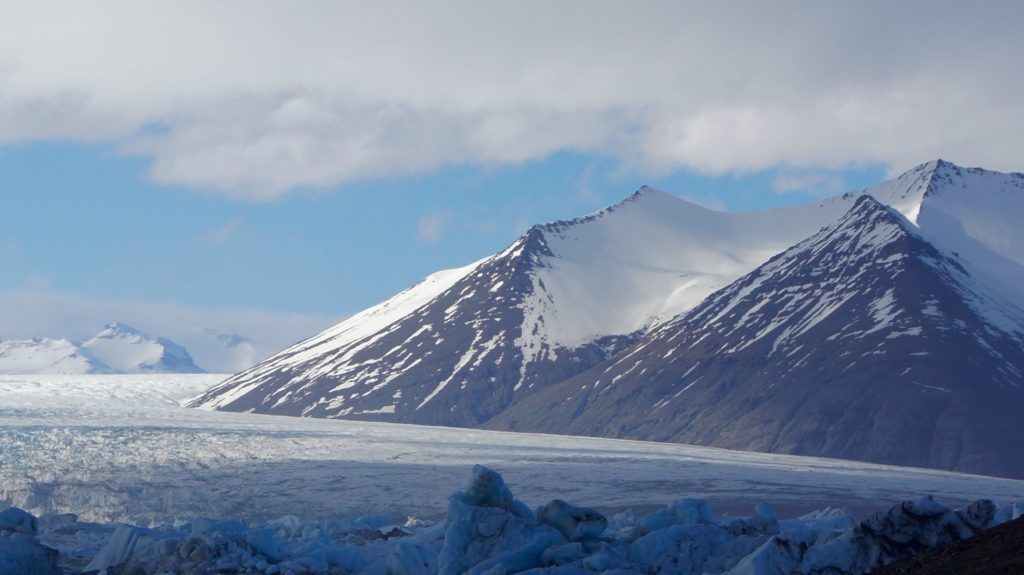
(255, 99)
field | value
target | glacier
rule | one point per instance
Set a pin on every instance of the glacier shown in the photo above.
(111, 472)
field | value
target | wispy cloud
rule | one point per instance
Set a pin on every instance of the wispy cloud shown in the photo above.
(585, 193)
(432, 227)
(706, 202)
(282, 100)
(221, 234)
(811, 183)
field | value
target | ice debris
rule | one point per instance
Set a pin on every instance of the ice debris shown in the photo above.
(21, 553)
(488, 532)
(906, 529)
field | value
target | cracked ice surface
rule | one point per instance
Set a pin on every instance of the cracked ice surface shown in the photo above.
(121, 448)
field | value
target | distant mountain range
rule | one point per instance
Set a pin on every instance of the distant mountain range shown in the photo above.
(118, 348)
(884, 325)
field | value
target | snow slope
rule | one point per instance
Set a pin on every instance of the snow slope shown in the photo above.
(121, 448)
(44, 355)
(971, 212)
(327, 344)
(645, 260)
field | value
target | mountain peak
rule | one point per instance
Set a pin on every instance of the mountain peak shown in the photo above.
(646, 199)
(116, 328)
(972, 213)
(938, 173)
(867, 207)
(642, 191)
(908, 191)
(646, 194)
(942, 174)
(938, 164)
(867, 227)
(129, 350)
(866, 204)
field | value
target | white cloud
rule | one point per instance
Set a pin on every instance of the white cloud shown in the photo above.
(431, 227)
(585, 193)
(813, 183)
(43, 313)
(258, 98)
(223, 233)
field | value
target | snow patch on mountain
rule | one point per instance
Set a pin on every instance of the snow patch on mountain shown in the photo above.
(868, 234)
(647, 259)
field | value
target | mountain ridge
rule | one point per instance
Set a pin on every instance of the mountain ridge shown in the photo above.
(117, 348)
(765, 364)
(533, 300)
(473, 346)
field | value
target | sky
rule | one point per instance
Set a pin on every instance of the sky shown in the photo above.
(268, 168)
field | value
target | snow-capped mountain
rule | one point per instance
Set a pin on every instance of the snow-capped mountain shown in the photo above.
(118, 348)
(45, 355)
(862, 342)
(128, 350)
(464, 344)
(972, 213)
(497, 343)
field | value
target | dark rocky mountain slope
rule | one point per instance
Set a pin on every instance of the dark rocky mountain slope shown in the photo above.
(862, 342)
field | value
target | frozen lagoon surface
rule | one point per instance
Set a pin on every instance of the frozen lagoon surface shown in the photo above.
(121, 448)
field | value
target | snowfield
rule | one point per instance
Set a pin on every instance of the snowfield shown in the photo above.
(319, 496)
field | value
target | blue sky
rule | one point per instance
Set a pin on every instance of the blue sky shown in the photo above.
(86, 220)
(178, 167)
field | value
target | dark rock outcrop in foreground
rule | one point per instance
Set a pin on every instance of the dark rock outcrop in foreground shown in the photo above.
(995, 551)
